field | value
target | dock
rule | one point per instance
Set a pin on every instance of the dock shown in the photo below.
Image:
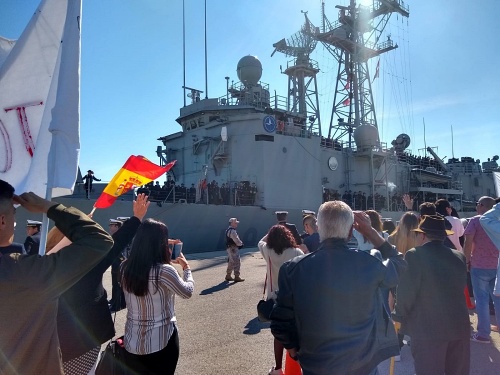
(220, 334)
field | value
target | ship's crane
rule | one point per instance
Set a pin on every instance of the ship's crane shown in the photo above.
(301, 72)
(438, 159)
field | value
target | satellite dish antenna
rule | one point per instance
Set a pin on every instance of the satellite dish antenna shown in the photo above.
(223, 134)
(495, 158)
(401, 142)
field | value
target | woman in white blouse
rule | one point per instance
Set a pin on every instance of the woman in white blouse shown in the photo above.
(150, 283)
(277, 247)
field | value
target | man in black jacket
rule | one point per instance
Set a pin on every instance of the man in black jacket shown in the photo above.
(431, 304)
(329, 312)
(281, 216)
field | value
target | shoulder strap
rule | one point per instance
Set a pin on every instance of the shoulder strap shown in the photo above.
(271, 279)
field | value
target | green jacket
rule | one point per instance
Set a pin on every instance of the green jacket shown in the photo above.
(29, 292)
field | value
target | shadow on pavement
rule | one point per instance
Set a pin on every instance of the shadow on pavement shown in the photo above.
(254, 326)
(216, 288)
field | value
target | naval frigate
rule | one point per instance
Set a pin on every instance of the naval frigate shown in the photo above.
(249, 153)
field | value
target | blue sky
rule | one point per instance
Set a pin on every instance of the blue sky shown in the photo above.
(131, 75)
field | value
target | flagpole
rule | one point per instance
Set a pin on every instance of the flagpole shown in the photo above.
(48, 196)
(206, 74)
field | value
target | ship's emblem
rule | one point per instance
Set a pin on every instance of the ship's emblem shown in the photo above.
(269, 123)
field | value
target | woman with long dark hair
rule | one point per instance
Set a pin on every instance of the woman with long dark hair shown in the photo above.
(150, 283)
(277, 247)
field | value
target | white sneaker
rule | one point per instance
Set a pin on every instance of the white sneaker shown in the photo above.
(397, 358)
(274, 371)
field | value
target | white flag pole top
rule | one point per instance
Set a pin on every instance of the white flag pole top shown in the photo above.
(40, 100)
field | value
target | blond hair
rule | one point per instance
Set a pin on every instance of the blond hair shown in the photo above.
(403, 237)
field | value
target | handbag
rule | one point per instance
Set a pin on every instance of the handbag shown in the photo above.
(112, 360)
(264, 307)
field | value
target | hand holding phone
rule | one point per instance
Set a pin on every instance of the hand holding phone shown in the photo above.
(175, 247)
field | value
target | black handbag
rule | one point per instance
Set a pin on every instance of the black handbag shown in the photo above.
(264, 307)
(112, 361)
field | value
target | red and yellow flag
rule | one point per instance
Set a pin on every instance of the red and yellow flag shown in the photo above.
(136, 171)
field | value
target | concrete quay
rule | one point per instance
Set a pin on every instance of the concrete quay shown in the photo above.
(220, 334)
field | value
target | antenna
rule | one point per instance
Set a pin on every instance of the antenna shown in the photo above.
(206, 78)
(452, 150)
(184, 51)
(425, 143)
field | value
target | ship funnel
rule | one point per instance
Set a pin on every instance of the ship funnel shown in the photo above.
(366, 137)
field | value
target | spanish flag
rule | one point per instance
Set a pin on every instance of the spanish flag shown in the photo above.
(136, 171)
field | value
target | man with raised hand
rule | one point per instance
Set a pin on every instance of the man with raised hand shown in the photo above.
(430, 302)
(30, 286)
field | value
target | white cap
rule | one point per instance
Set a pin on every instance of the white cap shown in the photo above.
(33, 223)
(233, 220)
(114, 221)
(123, 218)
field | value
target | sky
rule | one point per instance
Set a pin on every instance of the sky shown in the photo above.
(443, 74)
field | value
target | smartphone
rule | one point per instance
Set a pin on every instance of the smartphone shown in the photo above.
(176, 247)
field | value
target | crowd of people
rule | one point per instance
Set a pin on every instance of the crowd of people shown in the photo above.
(414, 273)
(419, 161)
(241, 193)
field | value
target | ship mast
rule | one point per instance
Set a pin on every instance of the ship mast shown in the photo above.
(302, 85)
(353, 40)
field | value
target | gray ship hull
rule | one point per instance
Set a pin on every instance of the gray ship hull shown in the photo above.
(200, 227)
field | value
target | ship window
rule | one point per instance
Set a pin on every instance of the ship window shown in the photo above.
(264, 137)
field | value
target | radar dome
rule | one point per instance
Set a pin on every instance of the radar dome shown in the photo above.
(366, 136)
(249, 70)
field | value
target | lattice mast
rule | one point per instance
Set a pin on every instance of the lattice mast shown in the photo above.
(301, 72)
(353, 40)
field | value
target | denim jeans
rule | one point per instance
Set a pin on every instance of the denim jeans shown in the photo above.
(483, 282)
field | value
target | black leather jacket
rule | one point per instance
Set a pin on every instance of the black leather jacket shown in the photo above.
(330, 308)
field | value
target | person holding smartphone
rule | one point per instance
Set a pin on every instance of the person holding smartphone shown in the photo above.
(150, 283)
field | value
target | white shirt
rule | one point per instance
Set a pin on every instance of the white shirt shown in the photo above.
(151, 318)
(366, 246)
(458, 229)
(276, 262)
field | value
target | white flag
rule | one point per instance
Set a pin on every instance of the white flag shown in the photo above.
(40, 101)
(496, 177)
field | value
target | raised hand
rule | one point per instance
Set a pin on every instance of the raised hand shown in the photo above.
(408, 201)
(33, 202)
(140, 206)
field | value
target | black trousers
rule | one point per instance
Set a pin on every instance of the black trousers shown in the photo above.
(163, 362)
(117, 301)
(438, 357)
